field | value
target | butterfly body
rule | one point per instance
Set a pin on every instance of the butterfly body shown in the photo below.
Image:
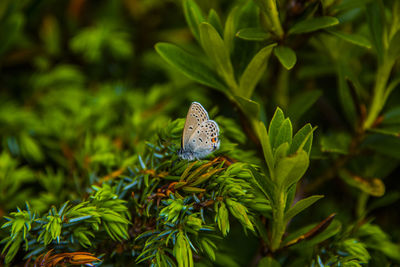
(200, 134)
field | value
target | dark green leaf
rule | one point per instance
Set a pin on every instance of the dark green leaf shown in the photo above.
(261, 229)
(266, 146)
(301, 103)
(376, 22)
(215, 21)
(189, 65)
(10, 29)
(300, 206)
(252, 34)
(387, 199)
(254, 71)
(350, 4)
(313, 24)
(312, 235)
(268, 262)
(193, 16)
(384, 144)
(352, 38)
(299, 138)
(230, 29)
(284, 134)
(265, 184)
(291, 193)
(336, 143)
(216, 50)
(394, 47)
(275, 125)
(289, 170)
(286, 56)
(345, 96)
(249, 107)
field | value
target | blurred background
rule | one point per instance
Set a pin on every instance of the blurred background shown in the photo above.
(82, 89)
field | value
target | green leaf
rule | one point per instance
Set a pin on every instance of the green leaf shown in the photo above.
(252, 34)
(182, 251)
(290, 195)
(30, 148)
(289, 170)
(13, 249)
(249, 107)
(189, 65)
(268, 262)
(392, 116)
(230, 29)
(356, 249)
(209, 248)
(372, 186)
(254, 71)
(351, 38)
(193, 16)
(349, 4)
(286, 56)
(10, 28)
(261, 229)
(265, 184)
(302, 103)
(313, 24)
(336, 143)
(313, 234)
(266, 146)
(222, 218)
(376, 239)
(394, 47)
(345, 96)
(239, 211)
(388, 199)
(383, 144)
(275, 125)
(299, 138)
(300, 206)
(269, 17)
(216, 50)
(392, 85)
(281, 151)
(215, 21)
(330, 231)
(376, 23)
(284, 134)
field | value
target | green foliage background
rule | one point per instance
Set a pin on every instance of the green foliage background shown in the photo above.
(92, 100)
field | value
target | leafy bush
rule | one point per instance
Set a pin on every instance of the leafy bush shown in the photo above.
(91, 116)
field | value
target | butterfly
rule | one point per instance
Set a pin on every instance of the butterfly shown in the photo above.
(200, 134)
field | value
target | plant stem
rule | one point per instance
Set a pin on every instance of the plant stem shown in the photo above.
(274, 18)
(270, 17)
(278, 223)
(282, 88)
(361, 205)
(378, 100)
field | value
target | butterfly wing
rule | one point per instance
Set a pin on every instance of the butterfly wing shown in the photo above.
(204, 139)
(194, 118)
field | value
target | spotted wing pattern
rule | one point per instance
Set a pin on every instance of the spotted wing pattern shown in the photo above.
(194, 118)
(204, 139)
